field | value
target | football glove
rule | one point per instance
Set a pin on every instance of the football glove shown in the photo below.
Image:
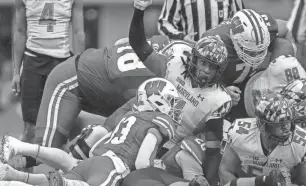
(142, 4)
(280, 177)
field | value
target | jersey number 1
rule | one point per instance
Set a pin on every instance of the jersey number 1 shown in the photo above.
(47, 17)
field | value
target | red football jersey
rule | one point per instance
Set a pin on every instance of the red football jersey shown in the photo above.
(125, 141)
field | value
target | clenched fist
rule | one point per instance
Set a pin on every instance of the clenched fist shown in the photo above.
(142, 4)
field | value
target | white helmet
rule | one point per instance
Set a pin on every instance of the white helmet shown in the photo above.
(250, 36)
(159, 94)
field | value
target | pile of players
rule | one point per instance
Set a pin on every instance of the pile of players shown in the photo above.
(166, 103)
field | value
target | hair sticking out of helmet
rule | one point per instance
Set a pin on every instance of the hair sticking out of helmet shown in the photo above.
(160, 95)
(250, 36)
(211, 50)
(273, 111)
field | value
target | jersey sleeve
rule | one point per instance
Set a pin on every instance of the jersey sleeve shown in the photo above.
(165, 125)
(271, 24)
(221, 106)
(157, 63)
(240, 129)
(195, 146)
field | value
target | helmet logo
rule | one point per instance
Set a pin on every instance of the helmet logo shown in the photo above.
(237, 26)
(154, 87)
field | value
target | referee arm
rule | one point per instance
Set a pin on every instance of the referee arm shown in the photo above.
(169, 19)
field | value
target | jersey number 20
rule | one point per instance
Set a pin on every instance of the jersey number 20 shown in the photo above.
(47, 17)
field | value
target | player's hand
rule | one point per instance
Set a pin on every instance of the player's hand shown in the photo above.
(279, 177)
(188, 38)
(16, 84)
(142, 4)
(234, 92)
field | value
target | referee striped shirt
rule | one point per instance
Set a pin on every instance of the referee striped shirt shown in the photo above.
(297, 20)
(181, 17)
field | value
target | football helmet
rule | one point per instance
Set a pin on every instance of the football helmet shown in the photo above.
(209, 49)
(158, 94)
(274, 111)
(250, 36)
(295, 93)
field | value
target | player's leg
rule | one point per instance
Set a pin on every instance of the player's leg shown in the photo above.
(60, 106)
(13, 183)
(152, 176)
(31, 88)
(53, 157)
(7, 173)
(89, 172)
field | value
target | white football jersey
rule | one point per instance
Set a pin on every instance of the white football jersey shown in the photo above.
(244, 139)
(280, 72)
(48, 24)
(202, 104)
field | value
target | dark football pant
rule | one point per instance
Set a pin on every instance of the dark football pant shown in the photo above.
(36, 68)
(151, 177)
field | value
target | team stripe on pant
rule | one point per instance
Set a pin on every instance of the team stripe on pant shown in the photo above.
(53, 108)
(112, 178)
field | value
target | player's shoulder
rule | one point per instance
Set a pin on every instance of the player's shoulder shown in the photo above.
(158, 42)
(91, 54)
(299, 140)
(176, 47)
(279, 66)
(195, 145)
(160, 121)
(271, 24)
(242, 130)
(220, 101)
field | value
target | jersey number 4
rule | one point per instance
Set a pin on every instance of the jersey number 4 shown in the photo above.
(47, 17)
(122, 130)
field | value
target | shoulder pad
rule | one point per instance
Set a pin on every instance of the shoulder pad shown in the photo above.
(158, 42)
(222, 106)
(284, 70)
(271, 24)
(165, 125)
(177, 47)
(194, 146)
(241, 128)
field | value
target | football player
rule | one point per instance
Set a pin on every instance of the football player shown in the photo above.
(195, 71)
(132, 145)
(248, 37)
(259, 147)
(280, 72)
(185, 158)
(41, 41)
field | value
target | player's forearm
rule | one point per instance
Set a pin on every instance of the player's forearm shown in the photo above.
(252, 181)
(225, 175)
(145, 152)
(18, 50)
(137, 36)
(79, 39)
